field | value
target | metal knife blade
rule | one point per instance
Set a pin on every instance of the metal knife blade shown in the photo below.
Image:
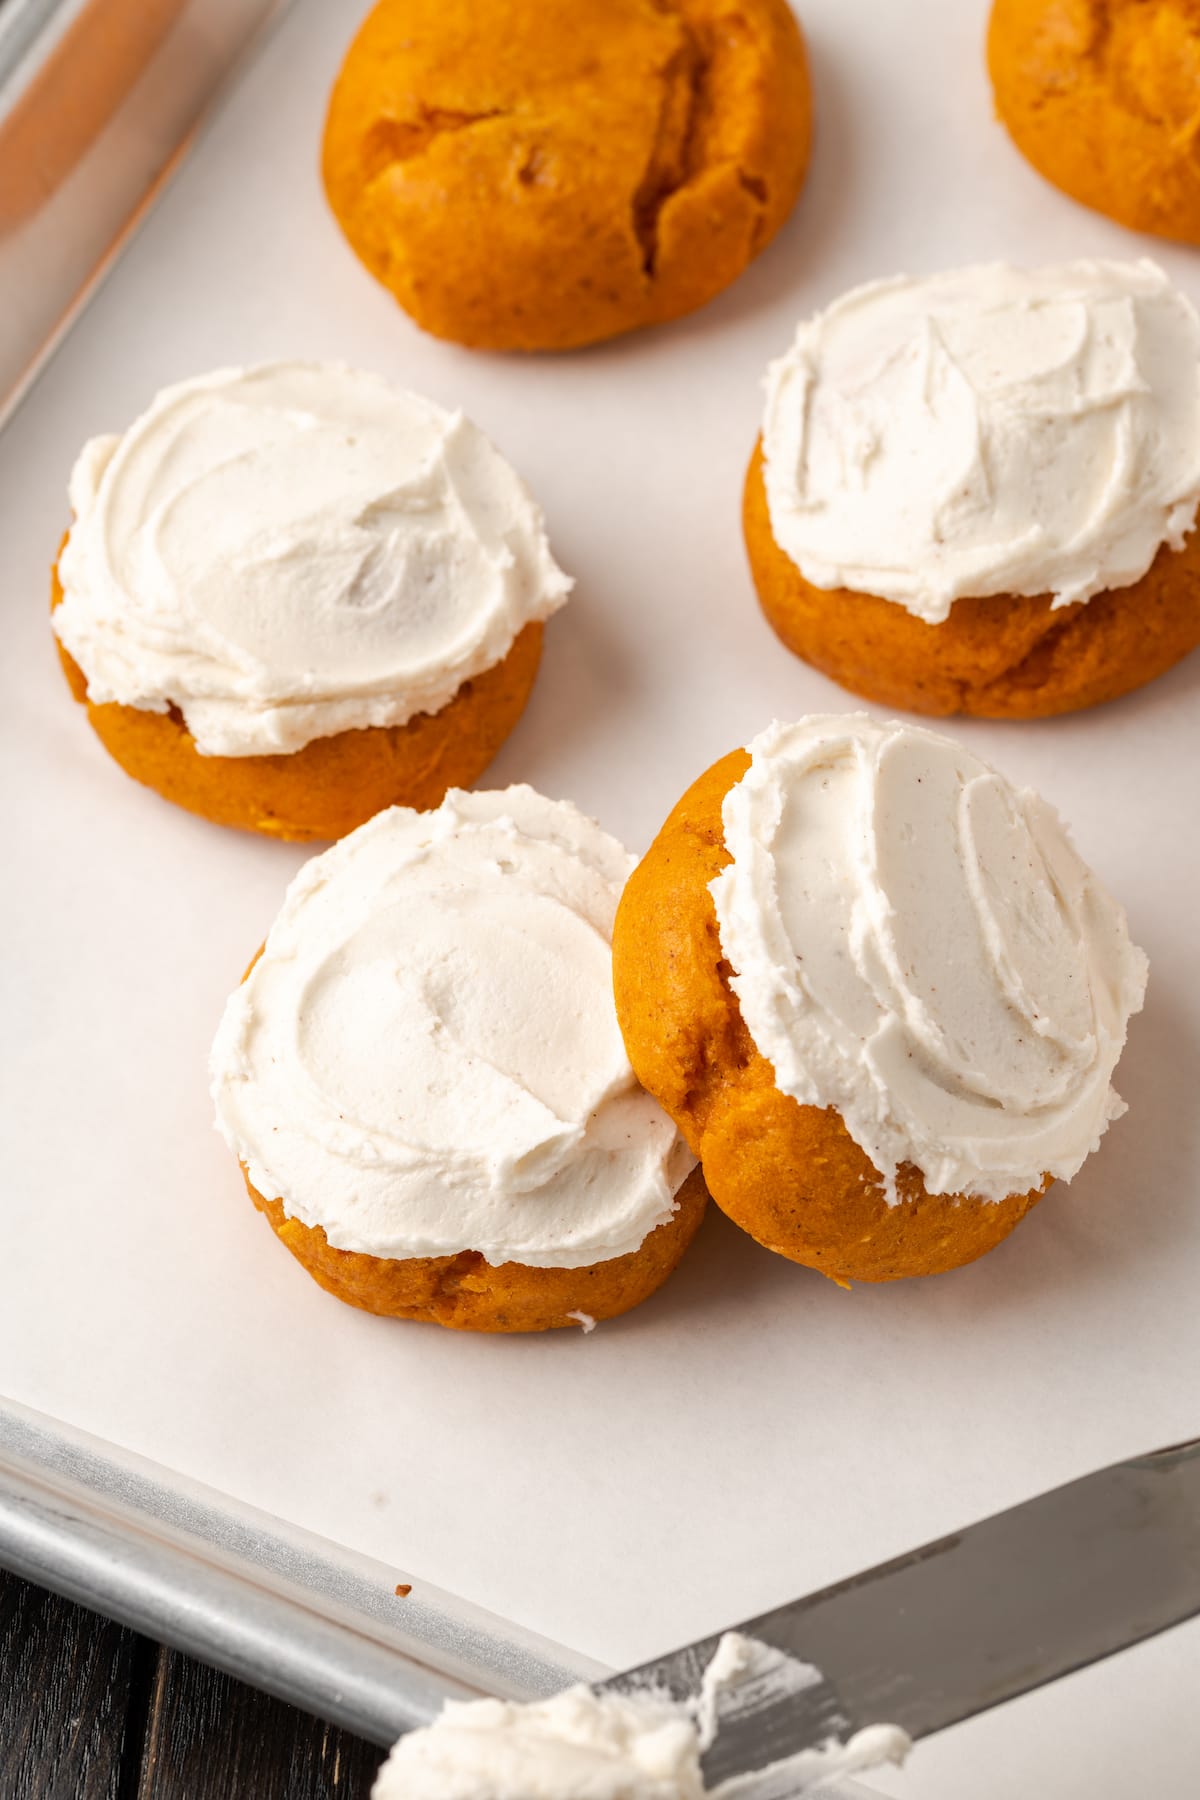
(969, 1621)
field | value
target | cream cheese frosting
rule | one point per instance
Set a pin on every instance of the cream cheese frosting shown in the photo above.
(294, 550)
(602, 1745)
(988, 431)
(426, 1057)
(576, 1746)
(916, 943)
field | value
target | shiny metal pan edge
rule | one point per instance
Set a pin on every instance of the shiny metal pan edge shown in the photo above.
(290, 1612)
(280, 1607)
(100, 100)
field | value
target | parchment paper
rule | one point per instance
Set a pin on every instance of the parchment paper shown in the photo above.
(754, 1432)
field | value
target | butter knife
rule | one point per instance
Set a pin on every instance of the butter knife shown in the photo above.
(964, 1623)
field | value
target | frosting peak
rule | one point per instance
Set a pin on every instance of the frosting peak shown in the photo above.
(576, 1746)
(988, 431)
(295, 550)
(916, 943)
(426, 1057)
(585, 1744)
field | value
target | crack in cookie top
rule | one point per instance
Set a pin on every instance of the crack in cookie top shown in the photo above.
(988, 431)
(295, 550)
(426, 1057)
(916, 943)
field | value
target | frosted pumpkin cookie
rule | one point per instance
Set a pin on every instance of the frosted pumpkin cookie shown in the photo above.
(295, 594)
(1103, 98)
(424, 1081)
(536, 174)
(976, 493)
(878, 992)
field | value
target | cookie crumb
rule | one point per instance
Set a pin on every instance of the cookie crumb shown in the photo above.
(403, 1589)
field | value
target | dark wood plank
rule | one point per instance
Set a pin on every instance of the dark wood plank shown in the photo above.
(91, 1711)
(70, 1718)
(209, 1738)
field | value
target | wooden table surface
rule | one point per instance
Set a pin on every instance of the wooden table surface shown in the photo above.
(91, 1711)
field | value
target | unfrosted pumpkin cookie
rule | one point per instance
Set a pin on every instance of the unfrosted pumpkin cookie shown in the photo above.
(423, 1078)
(878, 992)
(537, 174)
(976, 492)
(295, 594)
(1103, 98)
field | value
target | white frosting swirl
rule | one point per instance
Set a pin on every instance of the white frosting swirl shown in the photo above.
(589, 1745)
(917, 944)
(576, 1746)
(426, 1057)
(295, 550)
(988, 431)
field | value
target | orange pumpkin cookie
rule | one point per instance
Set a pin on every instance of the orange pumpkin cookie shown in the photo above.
(976, 493)
(1004, 657)
(1103, 98)
(803, 982)
(467, 1293)
(295, 595)
(536, 175)
(423, 1078)
(331, 785)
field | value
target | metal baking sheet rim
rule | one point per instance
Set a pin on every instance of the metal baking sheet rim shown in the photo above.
(101, 199)
(276, 1606)
(295, 1615)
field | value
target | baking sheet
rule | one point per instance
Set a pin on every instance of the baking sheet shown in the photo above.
(313, 1622)
(61, 227)
(753, 1432)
